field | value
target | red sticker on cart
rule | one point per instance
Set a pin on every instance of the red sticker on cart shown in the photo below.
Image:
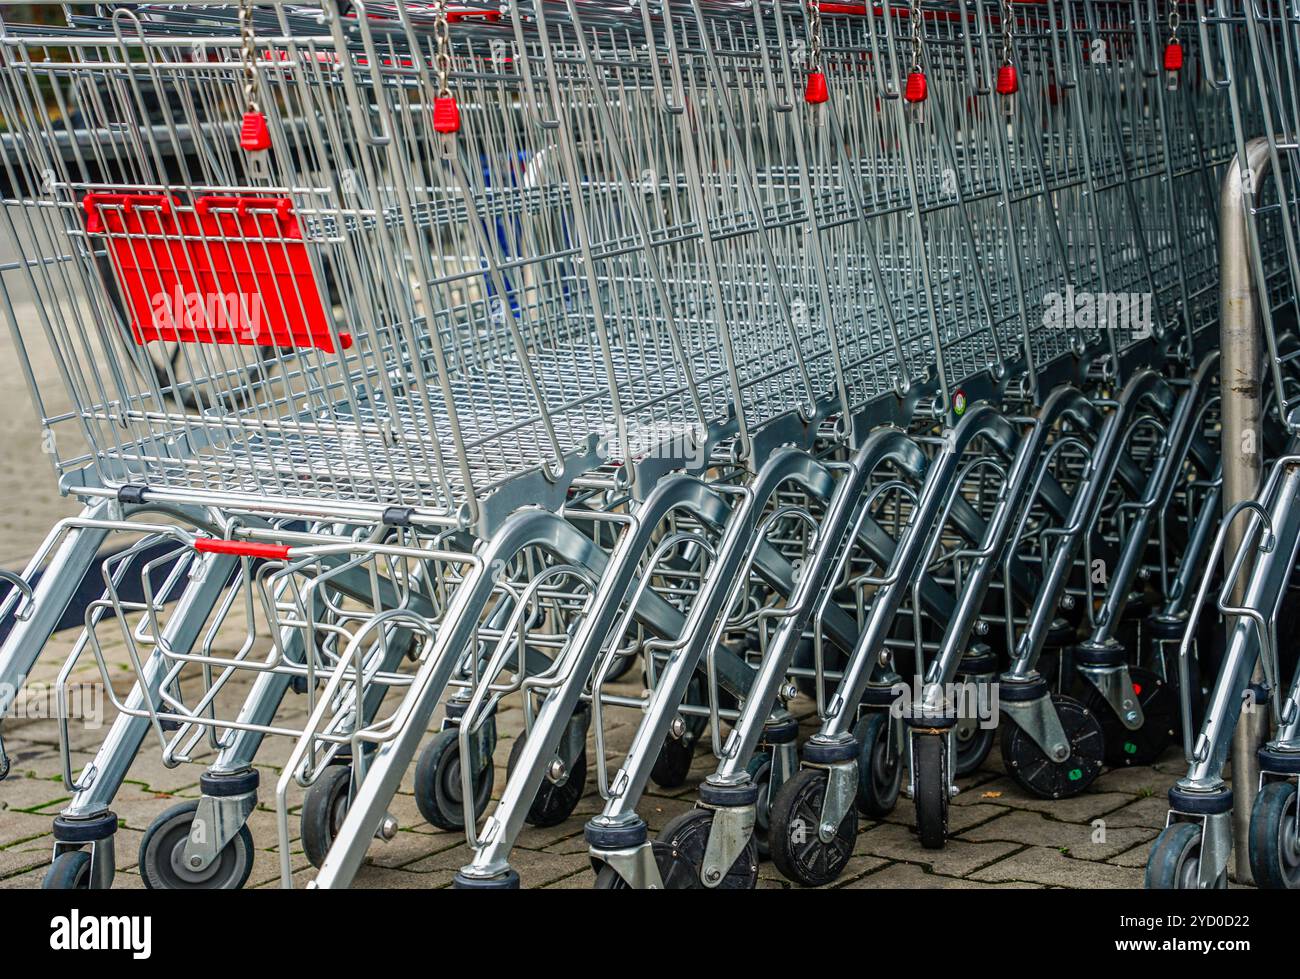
(229, 270)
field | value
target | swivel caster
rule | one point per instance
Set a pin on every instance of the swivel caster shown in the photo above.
(1274, 844)
(678, 753)
(974, 744)
(930, 784)
(973, 740)
(798, 849)
(162, 852)
(84, 857)
(1159, 702)
(1174, 864)
(438, 792)
(680, 849)
(880, 765)
(555, 801)
(323, 810)
(70, 871)
(1048, 779)
(760, 774)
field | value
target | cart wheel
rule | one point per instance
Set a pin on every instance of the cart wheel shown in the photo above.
(323, 811)
(1036, 773)
(163, 847)
(674, 763)
(1175, 860)
(677, 754)
(686, 837)
(554, 803)
(1159, 702)
(608, 879)
(880, 768)
(70, 871)
(618, 669)
(797, 849)
(974, 744)
(1274, 846)
(760, 773)
(929, 762)
(438, 793)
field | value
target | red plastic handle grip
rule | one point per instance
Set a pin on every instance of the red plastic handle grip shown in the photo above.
(487, 16)
(215, 545)
(281, 207)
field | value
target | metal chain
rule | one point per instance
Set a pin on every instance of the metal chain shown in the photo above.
(248, 54)
(442, 40)
(814, 35)
(1008, 30)
(1174, 21)
(918, 40)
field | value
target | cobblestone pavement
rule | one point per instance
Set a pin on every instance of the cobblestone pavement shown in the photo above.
(1001, 836)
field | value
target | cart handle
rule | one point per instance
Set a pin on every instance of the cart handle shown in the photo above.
(240, 548)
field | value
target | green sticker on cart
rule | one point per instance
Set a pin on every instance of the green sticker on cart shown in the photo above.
(959, 403)
(1075, 774)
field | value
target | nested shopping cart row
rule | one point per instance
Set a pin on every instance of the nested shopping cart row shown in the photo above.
(457, 357)
(1250, 706)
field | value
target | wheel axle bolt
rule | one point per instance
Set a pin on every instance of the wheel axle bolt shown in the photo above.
(387, 828)
(789, 692)
(557, 770)
(713, 875)
(196, 862)
(678, 726)
(1067, 602)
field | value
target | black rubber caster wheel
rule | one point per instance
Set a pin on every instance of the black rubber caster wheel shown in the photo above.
(760, 773)
(554, 802)
(1159, 701)
(1274, 845)
(608, 879)
(619, 668)
(929, 772)
(797, 849)
(974, 745)
(323, 810)
(163, 847)
(1036, 773)
(438, 792)
(1174, 863)
(686, 837)
(70, 871)
(880, 765)
(674, 763)
(677, 755)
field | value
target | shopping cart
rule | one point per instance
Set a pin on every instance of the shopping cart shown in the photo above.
(465, 356)
(234, 207)
(1253, 56)
(624, 855)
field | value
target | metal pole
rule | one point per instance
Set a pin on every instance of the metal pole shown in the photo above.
(1240, 376)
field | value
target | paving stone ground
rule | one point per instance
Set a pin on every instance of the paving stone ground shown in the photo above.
(1001, 836)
